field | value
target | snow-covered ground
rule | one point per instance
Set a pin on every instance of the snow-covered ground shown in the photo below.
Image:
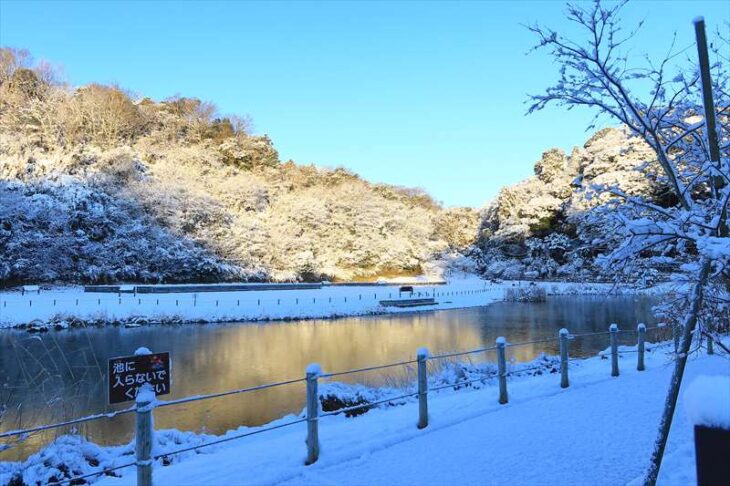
(600, 430)
(63, 304)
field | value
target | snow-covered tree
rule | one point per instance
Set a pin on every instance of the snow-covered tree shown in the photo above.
(665, 107)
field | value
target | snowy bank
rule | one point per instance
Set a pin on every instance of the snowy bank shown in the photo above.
(60, 308)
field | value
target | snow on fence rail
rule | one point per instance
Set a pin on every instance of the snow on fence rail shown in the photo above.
(146, 402)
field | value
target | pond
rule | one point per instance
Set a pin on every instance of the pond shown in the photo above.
(61, 375)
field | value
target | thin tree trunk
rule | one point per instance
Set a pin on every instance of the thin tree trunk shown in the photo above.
(665, 425)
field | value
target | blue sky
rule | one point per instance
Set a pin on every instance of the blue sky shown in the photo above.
(418, 94)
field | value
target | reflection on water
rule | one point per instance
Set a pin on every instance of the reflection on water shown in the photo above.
(61, 375)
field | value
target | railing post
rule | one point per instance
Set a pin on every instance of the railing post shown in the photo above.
(502, 370)
(675, 336)
(422, 357)
(613, 332)
(641, 331)
(313, 372)
(563, 335)
(143, 438)
(710, 345)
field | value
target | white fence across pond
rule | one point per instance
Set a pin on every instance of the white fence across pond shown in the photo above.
(145, 403)
(61, 307)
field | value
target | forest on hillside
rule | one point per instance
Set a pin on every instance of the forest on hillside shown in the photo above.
(100, 185)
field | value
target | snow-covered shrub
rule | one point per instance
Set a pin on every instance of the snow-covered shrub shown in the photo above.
(529, 293)
(462, 374)
(337, 396)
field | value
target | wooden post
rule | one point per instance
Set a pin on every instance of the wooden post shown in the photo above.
(502, 370)
(675, 336)
(143, 438)
(613, 331)
(313, 372)
(563, 335)
(641, 331)
(422, 357)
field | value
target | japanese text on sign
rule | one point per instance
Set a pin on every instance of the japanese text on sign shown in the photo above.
(128, 373)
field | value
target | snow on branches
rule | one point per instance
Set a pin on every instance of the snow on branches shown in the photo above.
(674, 114)
(662, 105)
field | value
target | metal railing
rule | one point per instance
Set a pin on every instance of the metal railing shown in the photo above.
(143, 408)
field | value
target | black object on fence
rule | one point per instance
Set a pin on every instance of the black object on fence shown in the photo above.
(711, 447)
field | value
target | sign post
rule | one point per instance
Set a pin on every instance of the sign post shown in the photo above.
(128, 373)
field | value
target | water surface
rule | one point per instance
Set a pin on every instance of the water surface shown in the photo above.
(60, 375)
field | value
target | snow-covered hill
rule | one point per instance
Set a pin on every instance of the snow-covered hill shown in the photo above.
(555, 224)
(97, 185)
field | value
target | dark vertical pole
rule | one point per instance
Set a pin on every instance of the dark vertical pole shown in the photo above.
(707, 89)
(710, 123)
